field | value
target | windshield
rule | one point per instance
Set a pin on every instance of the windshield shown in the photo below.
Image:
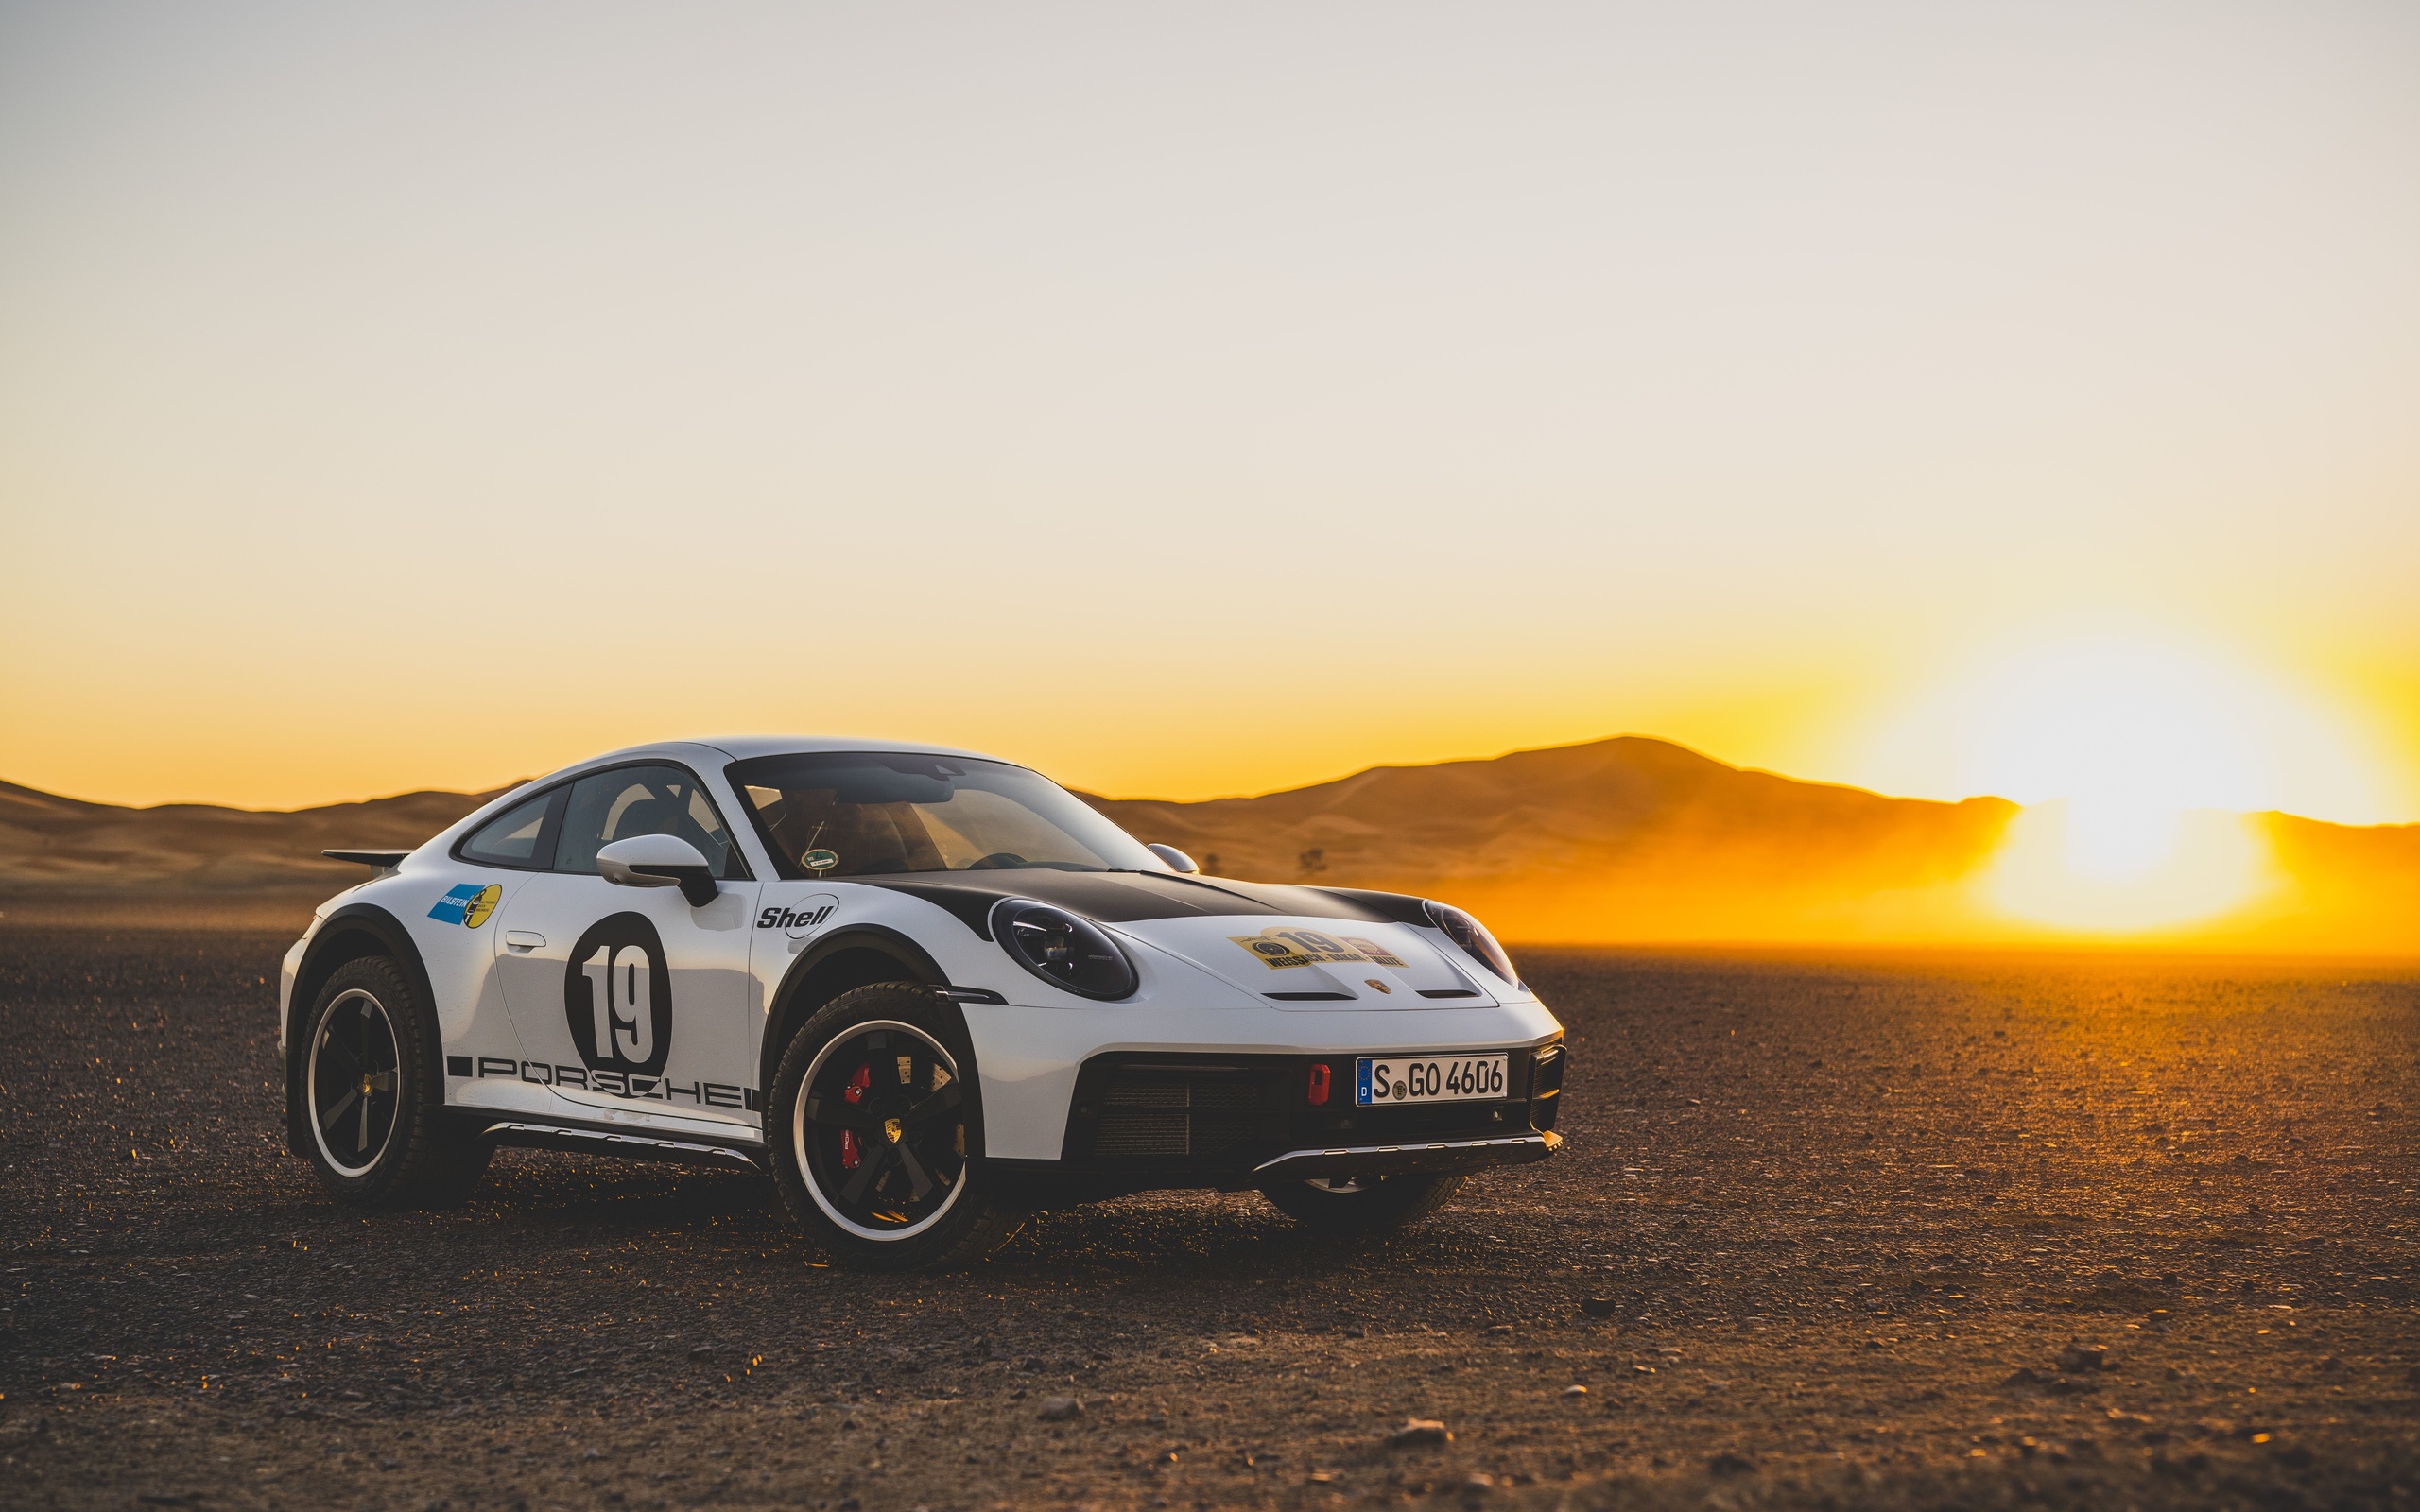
(872, 814)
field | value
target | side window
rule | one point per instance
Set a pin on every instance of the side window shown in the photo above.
(519, 838)
(627, 800)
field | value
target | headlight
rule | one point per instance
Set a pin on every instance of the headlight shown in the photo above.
(1473, 937)
(1072, 953)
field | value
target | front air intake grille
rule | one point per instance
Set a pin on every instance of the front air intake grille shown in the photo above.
(1139, 1133)
(1179, 1111)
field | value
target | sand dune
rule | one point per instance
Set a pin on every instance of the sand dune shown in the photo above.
(61, 854)
(1624, 840)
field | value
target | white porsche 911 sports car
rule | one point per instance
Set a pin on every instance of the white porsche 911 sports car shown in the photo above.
(926, 990)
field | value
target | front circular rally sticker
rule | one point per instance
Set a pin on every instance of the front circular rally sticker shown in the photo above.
(617, 996)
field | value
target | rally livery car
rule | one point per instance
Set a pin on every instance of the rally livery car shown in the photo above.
(925, 989)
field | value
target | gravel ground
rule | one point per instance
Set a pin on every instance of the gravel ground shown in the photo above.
(1911, 1231)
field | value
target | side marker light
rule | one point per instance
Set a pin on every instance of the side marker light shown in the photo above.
(1318, 1090)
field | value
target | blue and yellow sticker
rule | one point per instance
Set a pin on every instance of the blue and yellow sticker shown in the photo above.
(467, 905)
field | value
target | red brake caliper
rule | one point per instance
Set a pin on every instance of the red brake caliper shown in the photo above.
(854, 1093)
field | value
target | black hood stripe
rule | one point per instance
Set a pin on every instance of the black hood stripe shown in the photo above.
(1131, 897)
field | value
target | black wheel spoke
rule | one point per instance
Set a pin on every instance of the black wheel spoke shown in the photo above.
(944, 1101)
(833, 1113)
(868, 1168)
(919, 1182)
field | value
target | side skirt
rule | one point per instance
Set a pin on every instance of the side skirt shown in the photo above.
(532, 1134)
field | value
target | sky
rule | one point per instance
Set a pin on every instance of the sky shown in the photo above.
(1205, 400)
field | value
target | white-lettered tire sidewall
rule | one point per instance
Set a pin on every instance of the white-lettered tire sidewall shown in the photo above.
(971, 1224)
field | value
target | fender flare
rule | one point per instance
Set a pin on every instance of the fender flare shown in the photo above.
(915, 964)
(318, 963)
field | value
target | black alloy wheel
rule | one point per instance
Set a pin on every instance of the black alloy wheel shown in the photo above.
(876, 1141)
(370, 1094)
(879, 1130)
(353, 1083)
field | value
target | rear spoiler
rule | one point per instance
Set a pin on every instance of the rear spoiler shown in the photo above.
(383, 860)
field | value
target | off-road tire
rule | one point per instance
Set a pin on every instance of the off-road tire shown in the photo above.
(914, 1023)
(1377, 1206)
(420, 1159)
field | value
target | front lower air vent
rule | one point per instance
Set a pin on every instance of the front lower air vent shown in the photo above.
(1178, 1111)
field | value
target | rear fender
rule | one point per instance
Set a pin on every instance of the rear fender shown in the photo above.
(351, 932)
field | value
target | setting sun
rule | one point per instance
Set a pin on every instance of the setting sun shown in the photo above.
(2136, 754)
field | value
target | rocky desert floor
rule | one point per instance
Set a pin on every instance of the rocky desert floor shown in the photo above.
(1889, 1231)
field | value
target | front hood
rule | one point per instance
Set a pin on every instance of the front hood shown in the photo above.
(1318, 963)
(1310, 948)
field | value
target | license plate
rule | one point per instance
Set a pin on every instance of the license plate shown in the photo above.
(1381, 1082)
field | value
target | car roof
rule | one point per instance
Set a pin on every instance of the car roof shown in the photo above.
(742, 747)
(695, 753)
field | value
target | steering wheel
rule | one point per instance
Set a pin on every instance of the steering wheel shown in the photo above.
(997, 861)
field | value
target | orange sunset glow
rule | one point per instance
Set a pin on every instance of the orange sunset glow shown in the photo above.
(1197, 408)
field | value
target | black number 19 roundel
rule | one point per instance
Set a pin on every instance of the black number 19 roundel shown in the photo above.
(617, 996)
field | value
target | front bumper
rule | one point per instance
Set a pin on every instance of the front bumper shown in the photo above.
(1143, 1119)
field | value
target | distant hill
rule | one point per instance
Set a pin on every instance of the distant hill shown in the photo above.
(61, 856)
(1630, 840)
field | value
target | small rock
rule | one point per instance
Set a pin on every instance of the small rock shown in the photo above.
(2332, 1363)
(1032, 1364)
(1060, 1409)
(1601, 1306)
(1355, 1330)
(1419, 1431)
(390, 1464)
(1477, 1483)
(1574, 1391)
(351, 1395)
(699, 1352)
(1729, 1465)
(2025, 1375)
(2083, 1357)
(1500, 1327)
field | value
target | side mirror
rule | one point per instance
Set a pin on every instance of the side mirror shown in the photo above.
(659, 861)
(1177, 860)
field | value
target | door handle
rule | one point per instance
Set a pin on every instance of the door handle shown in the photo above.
(524, 939)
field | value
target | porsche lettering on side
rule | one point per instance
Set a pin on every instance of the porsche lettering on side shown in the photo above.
(926, 990)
